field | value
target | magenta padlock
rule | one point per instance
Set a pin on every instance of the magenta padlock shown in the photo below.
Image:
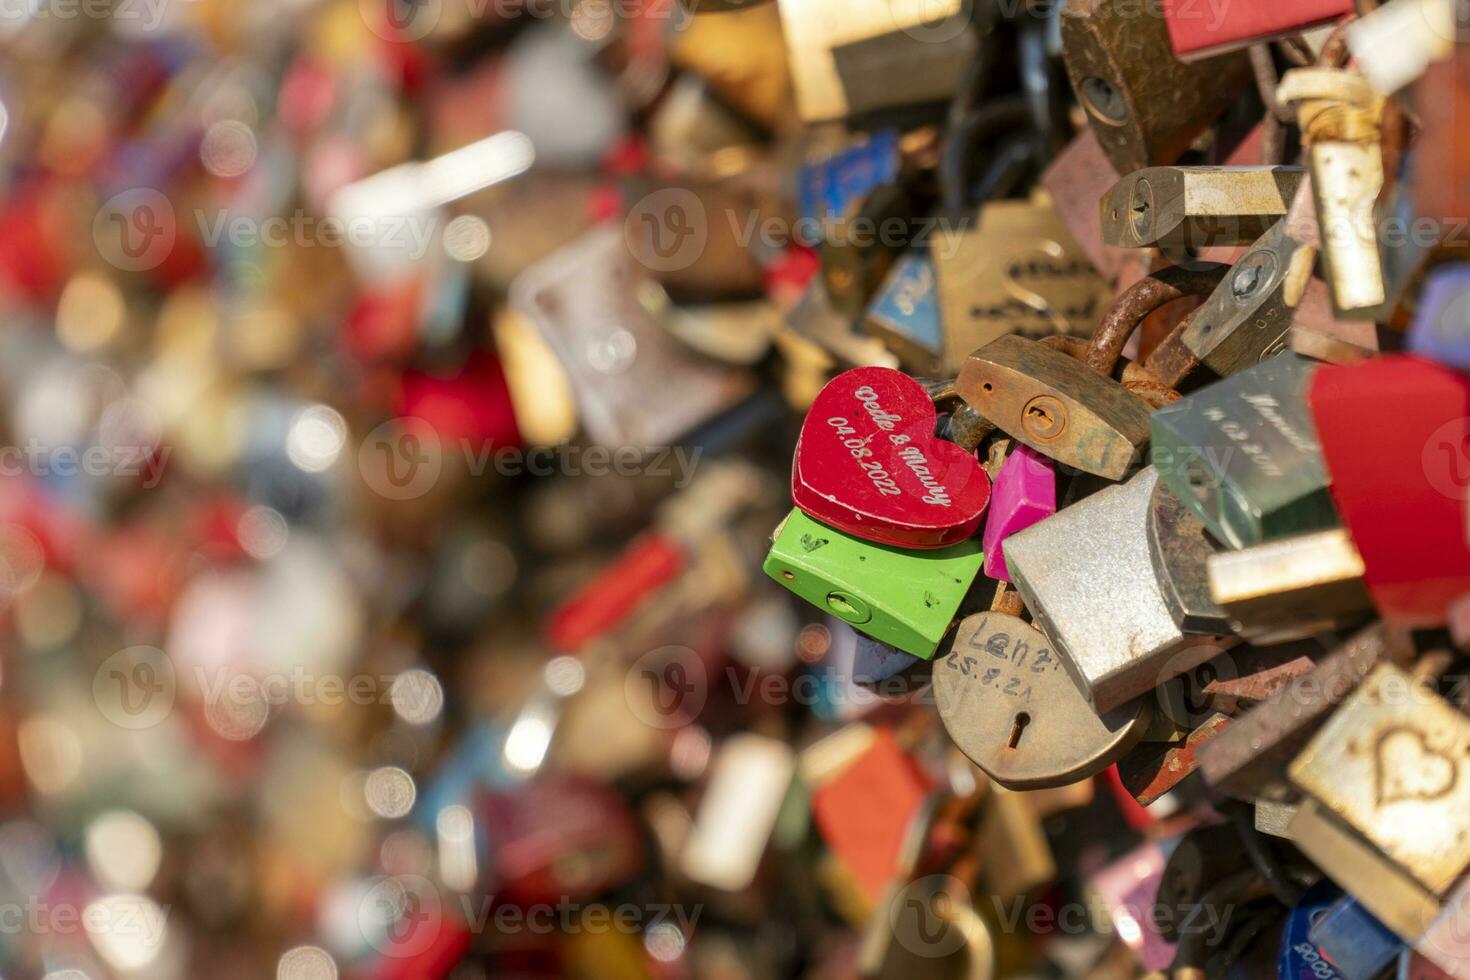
(1025, 492)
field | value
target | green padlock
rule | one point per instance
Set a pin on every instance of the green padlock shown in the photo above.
(1243, 455)
(907, 599)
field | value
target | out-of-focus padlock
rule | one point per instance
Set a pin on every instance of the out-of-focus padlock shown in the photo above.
(1056, 405)
(1340, 116)
(1008, 703)
(905, 598)
(1103, 606)
(1441, 328)
(1144, 105)
(859, 247)
(1248, 318)
(1404, 501)
(1196, 207)
(750, 776)
(873, 54)
(905, 314)
(1354, 941)
(1292, 587)
(1199, 31)
(1077, 179)
(1243, 454)
(1014, 269)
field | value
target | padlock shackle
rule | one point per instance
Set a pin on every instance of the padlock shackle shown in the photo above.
(1142, 298)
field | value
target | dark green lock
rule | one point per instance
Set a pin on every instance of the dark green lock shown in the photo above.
(1243, 454)
(907, 599)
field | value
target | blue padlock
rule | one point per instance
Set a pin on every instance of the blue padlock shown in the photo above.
(1441, 328)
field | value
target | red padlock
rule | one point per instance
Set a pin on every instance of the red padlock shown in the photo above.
(1395, 435)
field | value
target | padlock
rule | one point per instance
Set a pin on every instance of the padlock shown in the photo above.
(1340, 117)
(1076, 180)
(868, 463)
(818, 332)
(877, 665)
(1292, 587)
(1014, 853)
(905, 598)
(905, 314)
(1300, 958)
(1018, 276)
(1180, 550)
(695, 238)
(1170, 362)
(1013, 269)
(1354, 941)
(1390, 894)
(583, 301)
(860, 246)
(1103, 607)
(1403, 503)
(1243, 454)
(1441, 330)
(1393, 764)
(1144, 106)
(1153, 769)
(831, 187)
(863, 811)
(1024, 492)
(1056, 405)
(740, 57)
(1008, 703)
(1249, 760)
(749, 779)
(1199, 31)
(1441, 146)
(874, 55)
(1196, 207)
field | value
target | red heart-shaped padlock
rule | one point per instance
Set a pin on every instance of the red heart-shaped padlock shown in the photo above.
(868, 463)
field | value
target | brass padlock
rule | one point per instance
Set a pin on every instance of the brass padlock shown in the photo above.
(866, 55)
(1145, 106)
(1196, 207)
(1340, 117)
(1013, 269)
(1056, 405)
(1292, 588)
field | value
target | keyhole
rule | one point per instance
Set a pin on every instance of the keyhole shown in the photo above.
(1017, 727)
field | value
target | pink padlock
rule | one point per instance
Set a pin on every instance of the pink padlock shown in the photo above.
(1025, 492)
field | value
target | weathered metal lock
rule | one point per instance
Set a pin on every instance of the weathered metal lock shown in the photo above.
(1144, 105)
(1340, 116)
(1248, 761)
(1196, 207)
(905, 314)
(1292, 587)
(860, 246)
(1056, 405)
(1170, 362)
(905, 598)
(1181, 550)
(1243, 454)
(1103, 607)
(1004, 695)
(1393, 766)
(873, 54)
(1013, 269)
(1249, 316)
(1404, 502)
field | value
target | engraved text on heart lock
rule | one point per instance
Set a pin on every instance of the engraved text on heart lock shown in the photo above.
(868, 463)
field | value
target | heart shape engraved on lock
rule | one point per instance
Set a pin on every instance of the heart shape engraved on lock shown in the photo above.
(1408, 769)
(868, 463)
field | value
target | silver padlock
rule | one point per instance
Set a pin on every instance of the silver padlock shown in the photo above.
(1087, 575)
